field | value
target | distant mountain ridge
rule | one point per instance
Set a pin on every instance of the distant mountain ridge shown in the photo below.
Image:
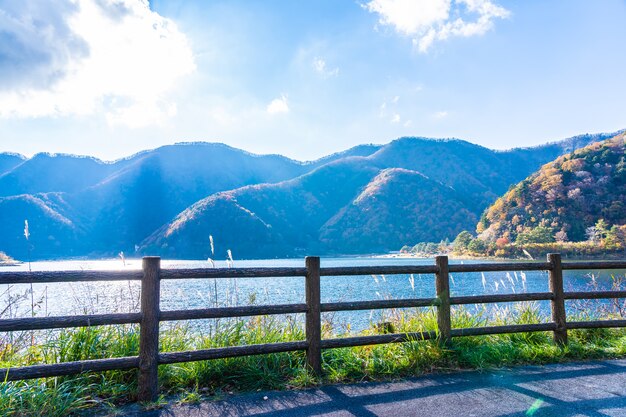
(169, 200)
(8, 161)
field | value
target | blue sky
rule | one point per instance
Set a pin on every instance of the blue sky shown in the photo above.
(306, 78)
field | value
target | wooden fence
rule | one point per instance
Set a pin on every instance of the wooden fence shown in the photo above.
(151, 315)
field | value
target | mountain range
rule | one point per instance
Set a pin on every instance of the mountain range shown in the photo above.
(168, 201)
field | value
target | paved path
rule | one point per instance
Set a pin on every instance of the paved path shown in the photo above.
(596, 389)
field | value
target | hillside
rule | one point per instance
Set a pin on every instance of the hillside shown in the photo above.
(51, 232)
(397, 206)
(567, 196)
(8, 161)
(469, 169)
(264, 220)
(130, 204)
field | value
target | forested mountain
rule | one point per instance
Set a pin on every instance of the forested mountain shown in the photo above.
(566, 197)
(409, 190)
(51, 233)
(168, 200)
(264, 220)
(127, 206)
(397, 206)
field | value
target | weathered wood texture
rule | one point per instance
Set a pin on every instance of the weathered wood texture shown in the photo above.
(379, 304)
(313, 315)
(559, 316)
(61, 322)
(68, 368)
(230, 352)
(442, 286)
(199, 273)
(501, 298)
(514, 328)
(594, 265)
(378, 270)
(596, 324)
(500, 266)
(223, 312)
(377, 339)
(46, 277)
(593, 295)
(148, 382)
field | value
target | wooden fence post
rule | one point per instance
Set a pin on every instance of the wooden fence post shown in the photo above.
(148, 383)
(313, 315)
(559, 316)
(442, 284)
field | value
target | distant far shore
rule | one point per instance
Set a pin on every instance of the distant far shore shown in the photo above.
(6, 260)
(429, 256)
(603, 256)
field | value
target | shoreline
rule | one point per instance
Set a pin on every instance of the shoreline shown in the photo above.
(606, 256)
(450, 256)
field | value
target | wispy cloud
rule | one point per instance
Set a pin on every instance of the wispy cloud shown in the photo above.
(389, 110)
(428, 21)
(278, 105)
(440, 115)
(80, 57)
(319, 65)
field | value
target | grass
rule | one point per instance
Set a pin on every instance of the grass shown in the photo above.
(195, 381)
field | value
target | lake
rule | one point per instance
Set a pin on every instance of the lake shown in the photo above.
(123, 296)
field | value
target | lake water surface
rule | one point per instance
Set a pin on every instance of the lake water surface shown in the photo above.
(123, 296)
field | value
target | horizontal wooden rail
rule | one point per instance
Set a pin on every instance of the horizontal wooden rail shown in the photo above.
(378, 270)
(501, 298)
(376, 339)
(68, 368)
(584, 265)
(200, 273)
(379, 304)
(501, 267)
(224, 312)
(230, 352)
(46, 277)
(61, 322)
(592, 295)
(513, 328)
(596, 324)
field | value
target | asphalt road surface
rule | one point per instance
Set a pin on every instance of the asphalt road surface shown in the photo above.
(595, 389)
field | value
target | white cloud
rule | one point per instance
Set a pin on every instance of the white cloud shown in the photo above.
(382, 110)
(389, 110)
(427, 21)
(440, 115)
(116, 57)
(278, 105)
(319, 65)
